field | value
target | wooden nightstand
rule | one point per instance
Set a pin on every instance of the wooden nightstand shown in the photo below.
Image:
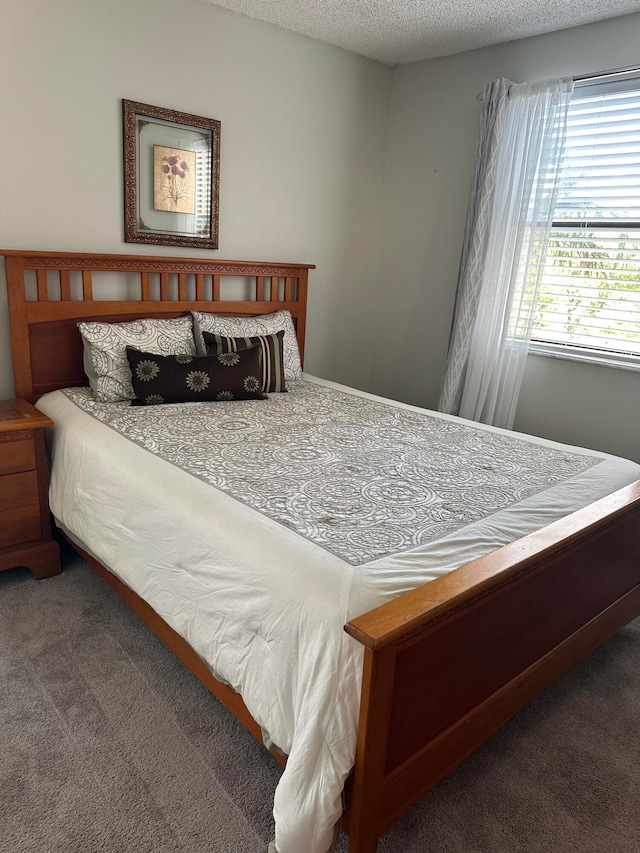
(25, 524)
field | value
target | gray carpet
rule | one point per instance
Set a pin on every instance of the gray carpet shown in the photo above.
(107, 743)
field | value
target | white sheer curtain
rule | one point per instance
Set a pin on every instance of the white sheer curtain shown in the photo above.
(506, 236)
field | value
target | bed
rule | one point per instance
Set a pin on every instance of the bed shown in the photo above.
(483, 638)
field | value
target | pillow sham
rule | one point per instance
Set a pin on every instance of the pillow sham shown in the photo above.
(105, 355)
(185, 378)
(271, 347)
(247, 327)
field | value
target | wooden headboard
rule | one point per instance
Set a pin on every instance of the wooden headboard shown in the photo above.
(49, 292)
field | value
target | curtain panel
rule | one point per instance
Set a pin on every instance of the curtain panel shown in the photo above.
(513, 195)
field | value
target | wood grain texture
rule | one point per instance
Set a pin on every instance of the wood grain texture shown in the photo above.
(25, 525)
(18, 490)
(409, 781)
(365, 807)
(19, 525)
(17, 455)
(42, 559)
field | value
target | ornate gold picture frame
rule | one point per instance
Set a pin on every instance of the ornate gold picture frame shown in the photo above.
(171, 177)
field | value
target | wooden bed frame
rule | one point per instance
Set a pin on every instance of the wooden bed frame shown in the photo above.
(446, 664)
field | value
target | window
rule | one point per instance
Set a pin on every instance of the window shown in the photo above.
(589, 300)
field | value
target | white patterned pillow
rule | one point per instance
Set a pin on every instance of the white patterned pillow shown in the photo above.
(105, 351)
(246, 327)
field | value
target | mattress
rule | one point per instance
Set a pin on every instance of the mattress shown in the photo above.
(257, 529)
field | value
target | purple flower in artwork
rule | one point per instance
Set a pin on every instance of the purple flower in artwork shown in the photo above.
(175, 170)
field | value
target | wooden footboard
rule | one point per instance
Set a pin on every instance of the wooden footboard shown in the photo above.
(447, 664)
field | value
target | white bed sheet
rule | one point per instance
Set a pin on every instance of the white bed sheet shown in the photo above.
(264, 606)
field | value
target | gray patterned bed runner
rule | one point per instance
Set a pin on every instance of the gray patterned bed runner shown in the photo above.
(361, 478)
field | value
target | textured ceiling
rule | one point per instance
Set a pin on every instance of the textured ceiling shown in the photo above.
(401, 31)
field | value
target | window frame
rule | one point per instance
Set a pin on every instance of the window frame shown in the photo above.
(621, 81)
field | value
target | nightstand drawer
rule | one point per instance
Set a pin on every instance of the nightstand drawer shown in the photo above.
(19, 525)
(17, 456)
(25, 525)
(18, 490)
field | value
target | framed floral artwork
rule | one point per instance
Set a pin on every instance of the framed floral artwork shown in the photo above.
(171, 177)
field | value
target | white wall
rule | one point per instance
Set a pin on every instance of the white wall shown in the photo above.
(433, 131)
(302, 154)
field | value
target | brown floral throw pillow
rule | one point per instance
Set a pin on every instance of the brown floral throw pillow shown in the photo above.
(188, 378)
(271, 346)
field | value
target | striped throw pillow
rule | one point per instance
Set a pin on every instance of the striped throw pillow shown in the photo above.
(271, 346)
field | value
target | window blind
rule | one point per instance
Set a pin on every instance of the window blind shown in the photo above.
(590, 290)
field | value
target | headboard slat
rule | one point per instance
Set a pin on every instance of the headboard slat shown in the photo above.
(65, 285)
(41, 279)
(164, 286)
(87, 285)
(182, 287)
(288, 289)
(145, 286)
(199, 286)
